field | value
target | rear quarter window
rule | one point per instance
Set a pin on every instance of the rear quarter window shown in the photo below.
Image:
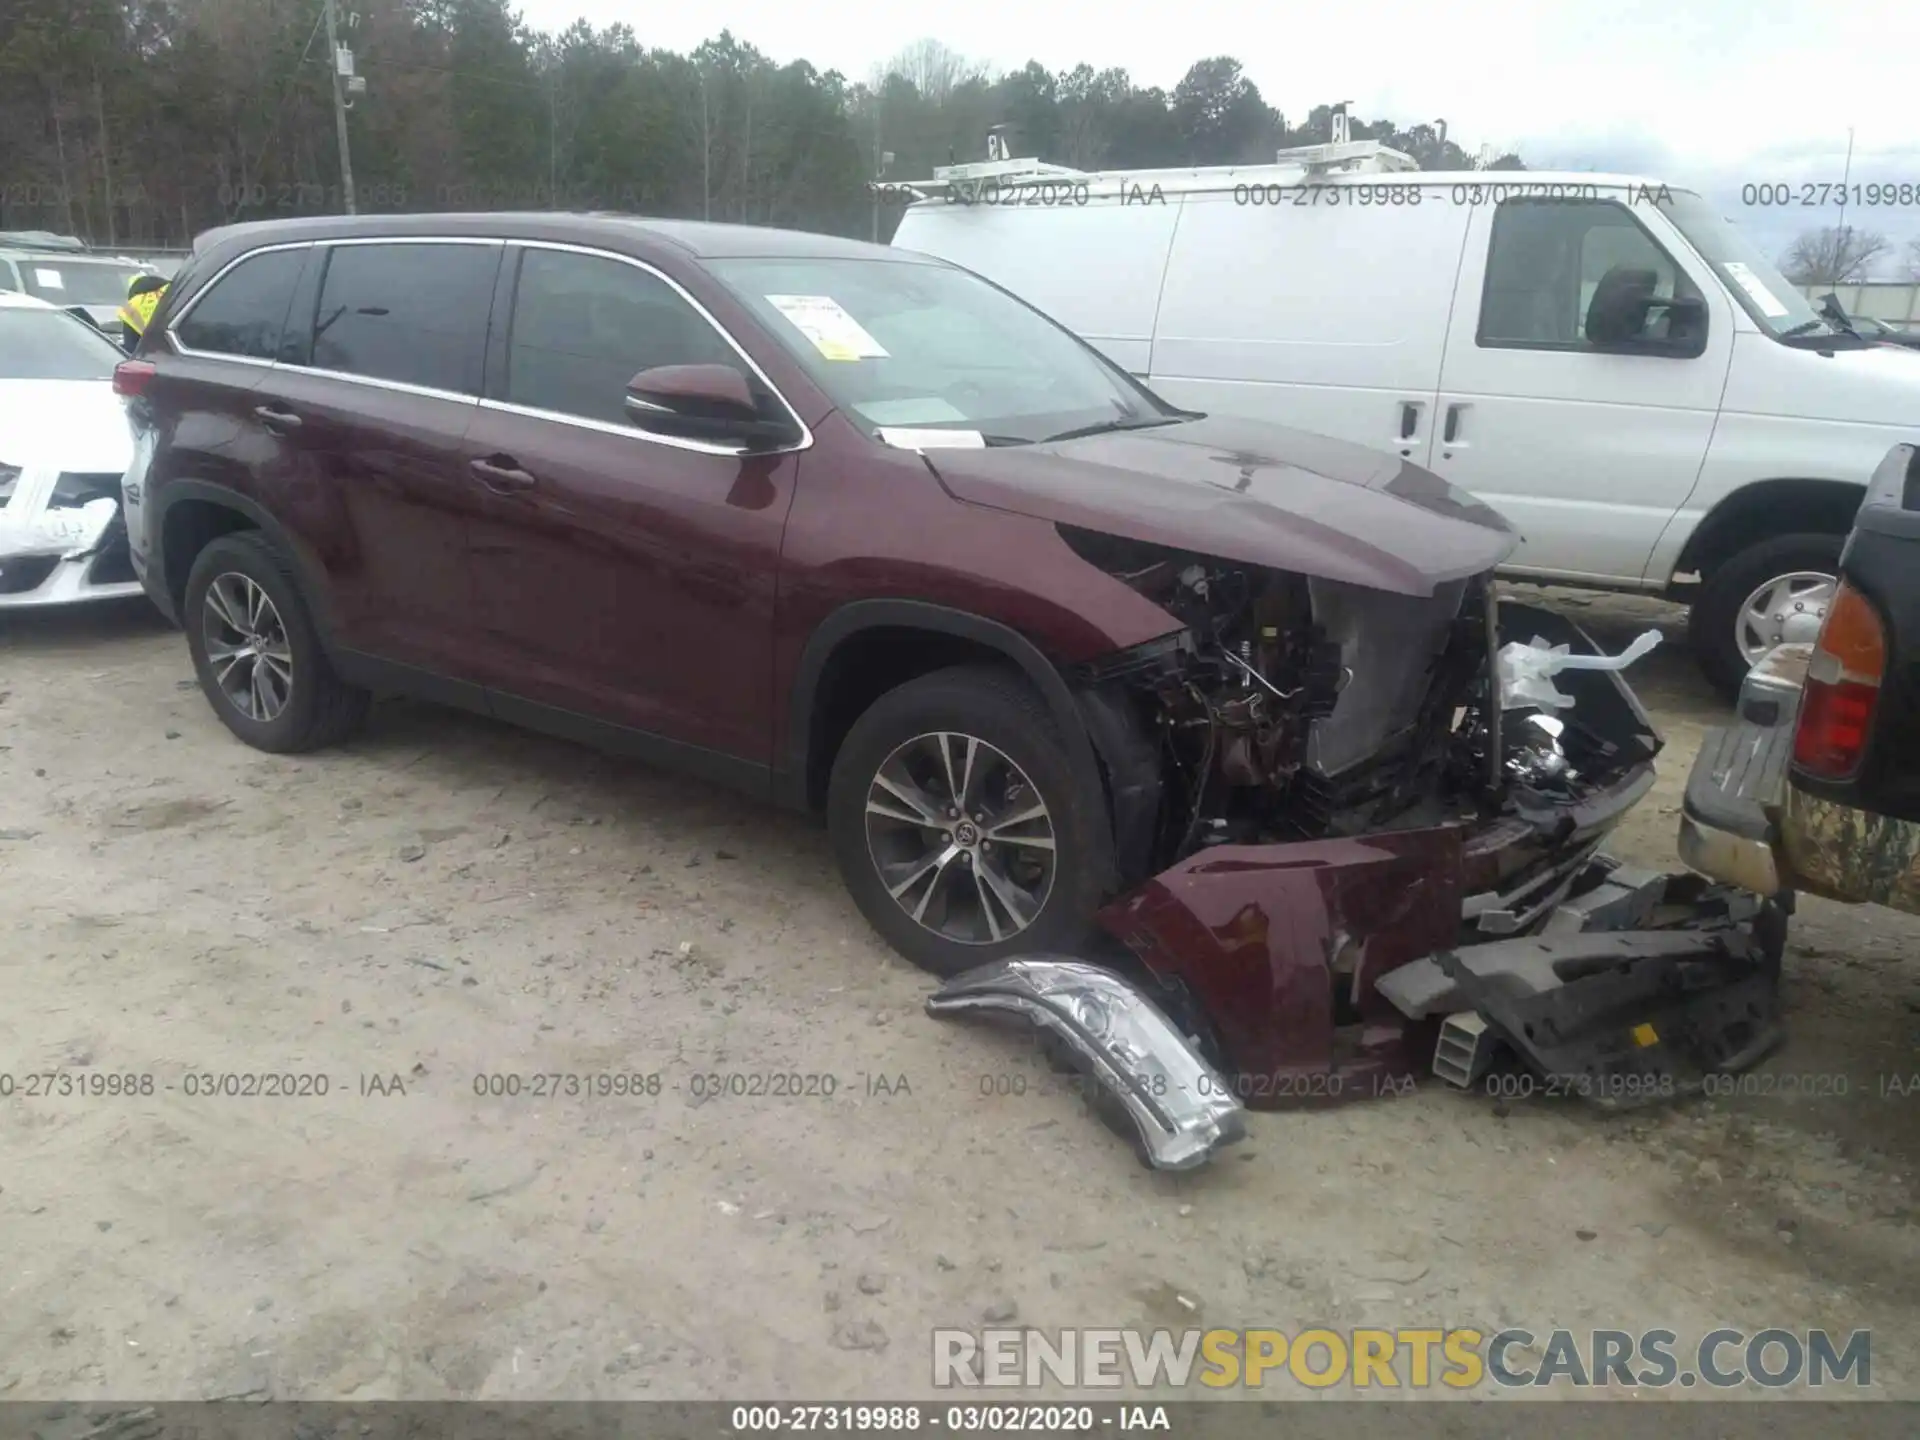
(244, 311)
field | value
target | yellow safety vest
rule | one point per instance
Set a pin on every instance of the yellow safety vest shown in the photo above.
(138, 310)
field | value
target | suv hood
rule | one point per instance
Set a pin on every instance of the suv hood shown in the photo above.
(1242, 490)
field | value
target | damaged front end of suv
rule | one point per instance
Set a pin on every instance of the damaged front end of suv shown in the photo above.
(1351, 848)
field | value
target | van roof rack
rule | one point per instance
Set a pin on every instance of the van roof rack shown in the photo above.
(1351, 156)
(969, 181)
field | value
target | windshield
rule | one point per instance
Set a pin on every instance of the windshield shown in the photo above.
(913, 345)
(77, 282)
(1759, 288)
(52, 345)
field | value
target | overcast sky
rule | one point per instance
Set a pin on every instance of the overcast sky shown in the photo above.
(1713, 93)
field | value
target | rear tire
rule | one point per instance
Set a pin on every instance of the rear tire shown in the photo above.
(889, 820)
(281, 694)
(1714, 623)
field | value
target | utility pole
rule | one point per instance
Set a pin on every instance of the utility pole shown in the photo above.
(340, 112)
(706, 151)
(1846, 176)
(878, 168)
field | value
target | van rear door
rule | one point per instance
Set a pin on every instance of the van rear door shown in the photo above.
(1575, 398)
(1323, 306)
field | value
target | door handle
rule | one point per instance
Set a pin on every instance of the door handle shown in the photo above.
(1409, 419)
(1453, 423)
(502, 473)
(278, 421)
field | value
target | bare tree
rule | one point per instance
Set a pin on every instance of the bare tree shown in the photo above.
(1833, 255)
(935, 70)
(1913, 259)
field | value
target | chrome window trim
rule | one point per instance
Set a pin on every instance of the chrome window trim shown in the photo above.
(704, 447)
(404, 387)
(415, 240)
(607, 427)
(174, 340)
(173, 325)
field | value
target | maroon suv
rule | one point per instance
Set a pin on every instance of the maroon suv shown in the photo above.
(857, 530)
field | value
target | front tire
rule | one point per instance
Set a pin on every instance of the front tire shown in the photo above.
(1731, 622)
(959, 824)
(256, 651)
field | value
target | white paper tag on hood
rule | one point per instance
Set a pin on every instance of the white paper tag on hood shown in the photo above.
(903, 437)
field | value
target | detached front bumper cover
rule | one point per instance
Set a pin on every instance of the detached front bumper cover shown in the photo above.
(1181, 1107)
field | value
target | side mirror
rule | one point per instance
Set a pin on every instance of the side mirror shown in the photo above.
(1623, 303)
(1686, 323)
(713, 403)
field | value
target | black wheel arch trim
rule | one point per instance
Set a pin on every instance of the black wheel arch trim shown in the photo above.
(860, 615)
(1744, 496)
(313, 588)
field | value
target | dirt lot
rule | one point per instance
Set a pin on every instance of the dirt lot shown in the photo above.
(449, 899)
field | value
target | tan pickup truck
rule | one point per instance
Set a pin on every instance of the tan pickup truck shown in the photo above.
(1816, 786)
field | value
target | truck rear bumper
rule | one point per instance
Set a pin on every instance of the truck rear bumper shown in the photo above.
(1730, 817)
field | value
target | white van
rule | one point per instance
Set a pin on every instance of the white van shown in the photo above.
(1603, 358)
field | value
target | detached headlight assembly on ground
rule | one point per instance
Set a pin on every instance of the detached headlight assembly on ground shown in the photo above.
(1181, 1107)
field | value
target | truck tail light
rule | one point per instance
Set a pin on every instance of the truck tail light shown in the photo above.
(1843, 686)
(130, 377)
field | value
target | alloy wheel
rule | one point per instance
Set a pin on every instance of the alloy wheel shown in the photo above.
(1786, 610)
(960, 838)
(247, 649)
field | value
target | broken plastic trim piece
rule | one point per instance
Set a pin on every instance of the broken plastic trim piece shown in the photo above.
(1183, 1109)
(1526, 671)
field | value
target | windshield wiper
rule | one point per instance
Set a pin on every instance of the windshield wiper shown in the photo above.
(1803, 328)
(1106, 427)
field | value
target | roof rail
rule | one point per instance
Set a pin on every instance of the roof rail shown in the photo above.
(39, 240)
(969, 181)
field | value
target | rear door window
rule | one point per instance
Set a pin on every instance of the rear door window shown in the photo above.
(244, 311)
(414, 314)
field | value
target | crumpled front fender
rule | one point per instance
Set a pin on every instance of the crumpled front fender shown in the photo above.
(1181, 1107)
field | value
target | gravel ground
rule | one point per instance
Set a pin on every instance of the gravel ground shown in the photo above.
(448, 898)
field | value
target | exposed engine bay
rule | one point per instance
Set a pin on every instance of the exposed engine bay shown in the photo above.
(1295, 708)
(1357, 839)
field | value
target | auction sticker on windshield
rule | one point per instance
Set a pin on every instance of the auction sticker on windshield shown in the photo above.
(1756, 289)
(48, 279)
(834, 333)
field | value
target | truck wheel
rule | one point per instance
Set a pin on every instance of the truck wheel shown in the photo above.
(958, 824)
(257, 654)
(1774, 592)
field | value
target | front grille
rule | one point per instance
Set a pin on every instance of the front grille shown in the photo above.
(26, 572)
(75, 489)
